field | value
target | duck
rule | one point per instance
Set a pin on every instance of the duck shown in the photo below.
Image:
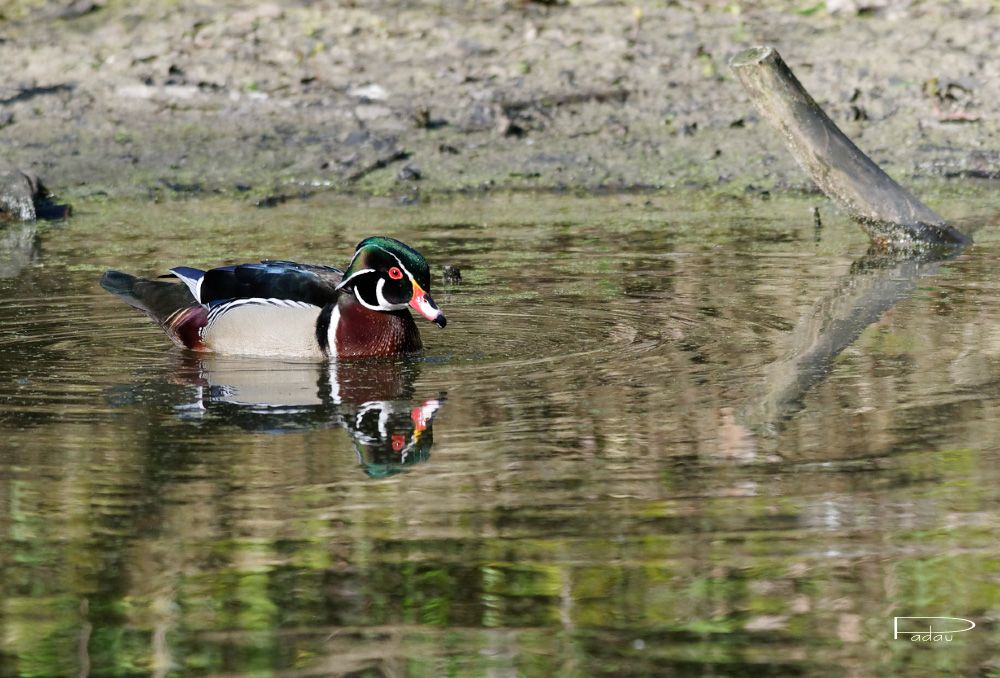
(285, 309)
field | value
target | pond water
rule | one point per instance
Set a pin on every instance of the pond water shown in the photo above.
(665, 434)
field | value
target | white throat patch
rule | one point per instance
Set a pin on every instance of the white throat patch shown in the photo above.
(357, 295)
(383, 303)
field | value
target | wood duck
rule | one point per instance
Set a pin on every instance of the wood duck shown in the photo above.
(286, 309)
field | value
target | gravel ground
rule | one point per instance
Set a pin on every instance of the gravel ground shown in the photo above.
(158, 97)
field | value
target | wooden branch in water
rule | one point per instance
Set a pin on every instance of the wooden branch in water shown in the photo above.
(891, 215)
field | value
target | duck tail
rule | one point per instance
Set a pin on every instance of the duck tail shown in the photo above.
(171, 305)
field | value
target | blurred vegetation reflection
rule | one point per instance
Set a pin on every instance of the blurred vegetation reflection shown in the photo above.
(598, 500)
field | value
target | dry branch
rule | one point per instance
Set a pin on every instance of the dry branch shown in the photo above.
(890, 214)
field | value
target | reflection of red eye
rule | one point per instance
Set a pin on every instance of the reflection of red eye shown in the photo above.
(398, 440)
(395, 273)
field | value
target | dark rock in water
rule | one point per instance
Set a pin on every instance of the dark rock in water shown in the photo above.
(50, 211)
(17, 193)
(23, 197)
(451, 274)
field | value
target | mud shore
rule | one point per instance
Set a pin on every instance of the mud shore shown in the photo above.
(157, 98)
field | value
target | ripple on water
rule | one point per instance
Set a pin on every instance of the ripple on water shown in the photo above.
(489, 338)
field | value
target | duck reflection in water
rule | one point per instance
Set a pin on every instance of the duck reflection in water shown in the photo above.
(373, 400)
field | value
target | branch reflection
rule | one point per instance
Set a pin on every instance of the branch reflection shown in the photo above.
(875, 284)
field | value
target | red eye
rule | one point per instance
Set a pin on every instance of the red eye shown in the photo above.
(395, 273)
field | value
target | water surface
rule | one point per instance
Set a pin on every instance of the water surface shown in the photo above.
(630, 452)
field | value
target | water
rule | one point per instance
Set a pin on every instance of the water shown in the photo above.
(650, 441)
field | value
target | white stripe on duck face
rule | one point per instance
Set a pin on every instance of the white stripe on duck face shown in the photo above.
(386, 305)
(353, 276)
(383, 303)
(372, 270)
(263, 328)
(401, 265)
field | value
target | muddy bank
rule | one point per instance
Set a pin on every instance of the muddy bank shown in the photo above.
(153, 98)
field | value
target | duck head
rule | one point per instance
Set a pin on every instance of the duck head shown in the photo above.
(387, 275)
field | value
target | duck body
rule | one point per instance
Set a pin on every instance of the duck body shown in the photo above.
(288, 309)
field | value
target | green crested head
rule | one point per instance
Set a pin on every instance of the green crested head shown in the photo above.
(388, 275)
(381, 253)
